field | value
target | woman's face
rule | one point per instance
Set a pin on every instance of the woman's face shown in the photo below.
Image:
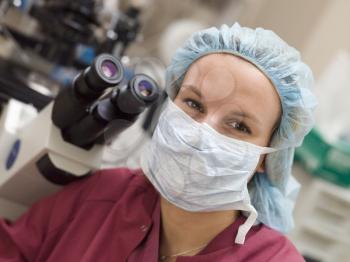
(233, 96)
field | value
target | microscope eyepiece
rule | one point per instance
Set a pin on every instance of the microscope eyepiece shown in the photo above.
(109, 69)
(145, 88)
(106, 71)
(140, 92)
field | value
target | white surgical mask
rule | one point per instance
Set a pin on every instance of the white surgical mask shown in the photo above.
(198, 169)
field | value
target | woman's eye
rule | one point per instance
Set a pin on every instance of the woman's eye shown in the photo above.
(241, 127)
(194, 105)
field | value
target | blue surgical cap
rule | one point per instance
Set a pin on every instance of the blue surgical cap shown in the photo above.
(273, 193)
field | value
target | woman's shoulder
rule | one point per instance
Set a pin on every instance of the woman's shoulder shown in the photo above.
(271, 245)
(110, 184)
(102, 185)
(107, 185)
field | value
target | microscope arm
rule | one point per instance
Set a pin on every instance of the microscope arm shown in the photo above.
(36, 161)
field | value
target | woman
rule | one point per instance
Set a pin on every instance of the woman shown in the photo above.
(215, 183)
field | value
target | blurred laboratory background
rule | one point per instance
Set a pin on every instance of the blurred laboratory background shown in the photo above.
(45, 44)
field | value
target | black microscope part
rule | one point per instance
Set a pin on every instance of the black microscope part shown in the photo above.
(72, 103)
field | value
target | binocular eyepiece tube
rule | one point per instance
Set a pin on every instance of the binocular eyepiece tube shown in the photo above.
(85, 117)
(73, 102)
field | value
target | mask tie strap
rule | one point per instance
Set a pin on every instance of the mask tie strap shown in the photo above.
(243, 229)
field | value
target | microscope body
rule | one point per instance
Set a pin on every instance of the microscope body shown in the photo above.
(36, 161)
(66, 140)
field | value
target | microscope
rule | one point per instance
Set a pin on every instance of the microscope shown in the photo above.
(66, 140)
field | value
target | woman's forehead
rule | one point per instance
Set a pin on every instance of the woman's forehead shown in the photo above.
(223, 75)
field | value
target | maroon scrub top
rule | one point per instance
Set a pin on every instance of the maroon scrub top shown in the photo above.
(114, 215)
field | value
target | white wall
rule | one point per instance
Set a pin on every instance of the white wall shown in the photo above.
(317, 28)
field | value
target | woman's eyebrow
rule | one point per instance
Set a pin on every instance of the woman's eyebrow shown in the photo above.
(193, 89)
(245, 115)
